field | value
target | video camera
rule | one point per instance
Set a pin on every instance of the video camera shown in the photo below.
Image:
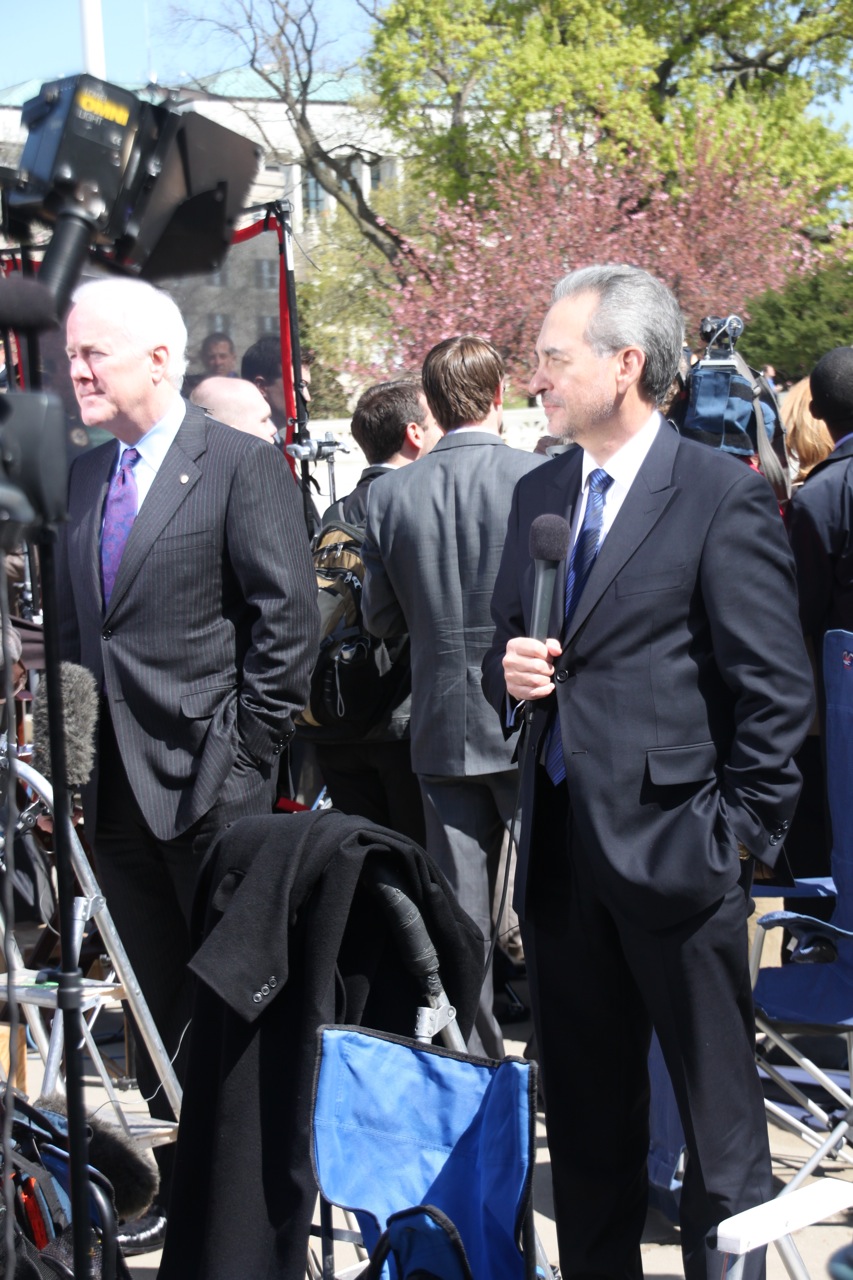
(154, 188)
(720, 335)
(147, 189)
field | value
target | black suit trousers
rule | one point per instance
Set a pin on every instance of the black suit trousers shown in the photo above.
(599, 983)
(149, 886)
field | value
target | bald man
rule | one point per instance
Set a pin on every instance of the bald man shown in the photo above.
(236, 403)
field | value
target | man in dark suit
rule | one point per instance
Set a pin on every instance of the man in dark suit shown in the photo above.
(431, 550)
(821, 515)
(186, 588)
(820, 520)
(664, 711)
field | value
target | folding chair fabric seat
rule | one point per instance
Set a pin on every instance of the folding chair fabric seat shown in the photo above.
(398, 1125)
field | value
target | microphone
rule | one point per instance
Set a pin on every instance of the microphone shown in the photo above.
(26, 304)
(80, 708)
(550, 536)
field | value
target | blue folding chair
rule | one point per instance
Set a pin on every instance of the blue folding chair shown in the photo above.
(432, 1152)
(814, 995)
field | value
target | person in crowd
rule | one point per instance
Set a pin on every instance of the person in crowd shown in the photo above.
(821, 510)
(219, 356)
(371, 774)
(819, 522)
(809, 843)
(807, 438)
(431, 551)
(656, 765)
(261, 364)
(186, 588)
(392, 425)
(237, 403)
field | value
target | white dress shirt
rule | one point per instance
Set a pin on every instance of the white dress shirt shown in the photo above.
(153, 447)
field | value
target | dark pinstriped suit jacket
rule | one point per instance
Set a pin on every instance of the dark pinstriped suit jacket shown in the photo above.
(212, 627)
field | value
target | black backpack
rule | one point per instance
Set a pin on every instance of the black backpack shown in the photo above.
(357, 678)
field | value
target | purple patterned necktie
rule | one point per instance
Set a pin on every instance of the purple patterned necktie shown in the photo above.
(119, 515)
(582, 559)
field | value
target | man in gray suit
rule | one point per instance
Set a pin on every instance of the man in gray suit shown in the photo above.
(432, 550)
(186, 588)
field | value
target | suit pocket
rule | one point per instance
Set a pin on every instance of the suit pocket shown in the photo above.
(183, 548)
(675, 766)
(200, 703)
(634, 584)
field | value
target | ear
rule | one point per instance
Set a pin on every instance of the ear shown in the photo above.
(159, 363)
(499, 396)
(261, 384)
(632, 361)
(414, 438)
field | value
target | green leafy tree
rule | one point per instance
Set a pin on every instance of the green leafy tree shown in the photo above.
(791, 328)
(477, 81)
(472, 82)
(491, 271)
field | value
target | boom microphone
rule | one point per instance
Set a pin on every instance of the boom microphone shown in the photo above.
(26, 304)
(550, 536)
(80, 711)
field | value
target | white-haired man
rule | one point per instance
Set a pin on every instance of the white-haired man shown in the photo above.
(186, 588)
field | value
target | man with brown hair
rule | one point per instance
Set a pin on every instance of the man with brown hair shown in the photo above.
(432, 549)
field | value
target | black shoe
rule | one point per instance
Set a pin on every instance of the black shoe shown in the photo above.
(145, 1234)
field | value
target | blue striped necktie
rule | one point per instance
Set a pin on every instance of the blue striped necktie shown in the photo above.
(582, 559)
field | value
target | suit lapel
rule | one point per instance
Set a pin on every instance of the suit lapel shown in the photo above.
(99, 474)
(645, 503)
(178, 475)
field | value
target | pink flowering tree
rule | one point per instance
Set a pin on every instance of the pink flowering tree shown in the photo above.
(715, 232)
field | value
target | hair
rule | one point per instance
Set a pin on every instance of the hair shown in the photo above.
(262, 359)
(807, 437)
(634, 310)
(213, 339)
(831, 384)
(460, 378)
(381, 416)
(146, 316)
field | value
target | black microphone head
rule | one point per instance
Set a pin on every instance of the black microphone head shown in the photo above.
(80, 706)
(26, 304)
(550, 536)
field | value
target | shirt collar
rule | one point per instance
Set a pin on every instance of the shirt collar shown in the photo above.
(625, 462)
(843, 440)
(157, 441)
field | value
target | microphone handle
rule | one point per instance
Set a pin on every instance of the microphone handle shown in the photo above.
(543, 597)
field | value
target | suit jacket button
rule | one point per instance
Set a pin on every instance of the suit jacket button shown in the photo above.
(107, 634)
(775, 839)
(257, 997)
(561, 676)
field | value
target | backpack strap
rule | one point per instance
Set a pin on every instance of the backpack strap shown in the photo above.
(772, 467)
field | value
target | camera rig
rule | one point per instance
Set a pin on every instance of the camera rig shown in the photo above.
(147, 189)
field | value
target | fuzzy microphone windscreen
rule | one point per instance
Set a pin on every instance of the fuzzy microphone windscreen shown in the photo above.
(80, 718)
(125, 1164)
